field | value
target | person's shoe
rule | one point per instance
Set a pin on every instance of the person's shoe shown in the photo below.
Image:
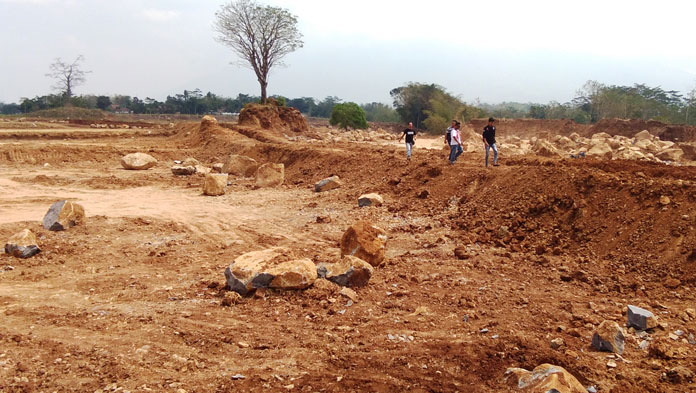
(496, 165)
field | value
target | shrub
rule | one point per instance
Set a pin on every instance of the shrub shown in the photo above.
(348, 114)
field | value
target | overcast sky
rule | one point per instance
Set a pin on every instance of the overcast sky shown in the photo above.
(357, 50)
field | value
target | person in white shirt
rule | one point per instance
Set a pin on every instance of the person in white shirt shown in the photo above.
(455, 144)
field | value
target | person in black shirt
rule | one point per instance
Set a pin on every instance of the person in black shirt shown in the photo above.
(410, 139)
(489, 141)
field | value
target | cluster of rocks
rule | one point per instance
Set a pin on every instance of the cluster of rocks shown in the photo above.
(60, 216)
(643, 146)
(334, 182)
(609, 336)
(363, 248)
(120, 126)
(338, 135)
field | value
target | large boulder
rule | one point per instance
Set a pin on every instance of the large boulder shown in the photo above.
(270, 175)
(640, 318)
(22, 245)
(609, 337)
(601, 150)
(348, 272)
(215, 184)
(600, 136)
(330, 183)
(138, 161)
(238, 165)
(274, 267)
(545, 378)
(370, 200)
(63, 215)
(365, 241)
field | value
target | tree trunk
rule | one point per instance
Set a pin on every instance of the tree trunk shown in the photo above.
(263, 91)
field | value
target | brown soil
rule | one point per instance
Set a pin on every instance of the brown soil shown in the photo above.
(545, 249)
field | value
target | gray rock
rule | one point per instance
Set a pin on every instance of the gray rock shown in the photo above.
(63, 215)
(22, 251)
(181, 170)
(640, 318)
(327, 184)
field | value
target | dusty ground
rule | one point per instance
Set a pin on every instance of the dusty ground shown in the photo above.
(131, 301)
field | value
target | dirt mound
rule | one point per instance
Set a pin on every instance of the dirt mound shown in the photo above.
(273, 117)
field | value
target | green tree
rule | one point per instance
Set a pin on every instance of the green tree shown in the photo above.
(260, 35)
(103, 102)
(377, 111)
(348, 114)
(411, 101)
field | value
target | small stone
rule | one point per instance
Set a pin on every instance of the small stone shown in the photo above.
(664, 200)
(349, 293)
(270, 175)
(640, 318)
(217, 167)
(484, 331)
(180, 170)
(609, 337)
(243, 344)
(230, 298)
(557, 343)
(643, 344)
(330, 183)
(215, 184)
(462, 253)
(370, 200)
(237, 377)
(365, 241)
(691, 339)
(63, 215)
(350, 271)
(22, 245)
(611, 364)
(672, 283)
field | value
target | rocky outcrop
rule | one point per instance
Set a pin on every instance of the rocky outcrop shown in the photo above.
(138, 161)
(365, 241)
(22, 245)
(63, 215)
(270, 175)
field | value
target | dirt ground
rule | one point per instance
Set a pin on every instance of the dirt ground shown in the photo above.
(545, 249)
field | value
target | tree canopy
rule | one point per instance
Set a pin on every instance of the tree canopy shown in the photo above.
(260, 35)
(348, 114)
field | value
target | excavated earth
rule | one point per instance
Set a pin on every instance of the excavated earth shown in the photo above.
(484, 267)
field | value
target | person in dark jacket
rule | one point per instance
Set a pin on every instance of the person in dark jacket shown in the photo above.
(489, 141)
(410, 134)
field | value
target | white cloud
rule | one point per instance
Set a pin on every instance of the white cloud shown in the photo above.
(156, 15)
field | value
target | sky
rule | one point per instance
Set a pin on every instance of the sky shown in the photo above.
(359, 50)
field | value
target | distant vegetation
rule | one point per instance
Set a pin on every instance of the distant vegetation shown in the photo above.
(428, 106)
(348, 114)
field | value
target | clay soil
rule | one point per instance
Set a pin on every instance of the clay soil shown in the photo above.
(545, 249)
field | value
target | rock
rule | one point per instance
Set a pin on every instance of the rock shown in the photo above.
(271, 268)
(672, 154)
(215, 184)
(348, 272)
(330, 183)
(295, 274)
(190, 161)
(640, 318)
(270, 175)
(217, 167)
(63, 215)
(230, 298)
(601, 150)
(545, 378)
(349, 293)
(208, 120)
(609, 337)
(237, 165)
(365, 241)
(462, 253)
(671, 283)
(180, 170)
(679, 375)
(202, 170)
(372, 199)
(544, 148)
(22, 245)
(557, 343)
(643, 135)
(138, 161)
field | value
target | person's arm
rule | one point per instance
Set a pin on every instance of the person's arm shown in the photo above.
(402, 135)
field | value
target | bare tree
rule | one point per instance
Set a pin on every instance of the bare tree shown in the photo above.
(260, 35)
(67, 76)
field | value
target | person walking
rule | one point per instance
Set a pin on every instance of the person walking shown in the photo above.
(410, 134)
(489, 141)
(455, 143)
(448, 134)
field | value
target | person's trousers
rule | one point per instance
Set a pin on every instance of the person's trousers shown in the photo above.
(409, 149)
(455, 151)
(495, 153)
